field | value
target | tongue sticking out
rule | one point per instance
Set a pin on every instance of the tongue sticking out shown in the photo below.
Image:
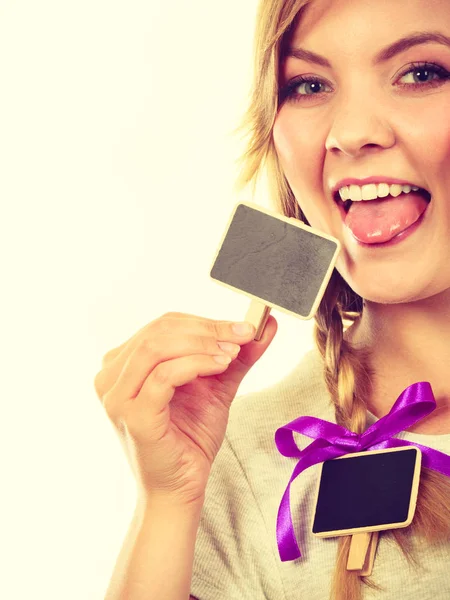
(378, 221)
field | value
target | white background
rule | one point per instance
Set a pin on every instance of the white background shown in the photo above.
(116, 176)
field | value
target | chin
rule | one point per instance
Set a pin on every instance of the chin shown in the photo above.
(384, 290)
(401, 292)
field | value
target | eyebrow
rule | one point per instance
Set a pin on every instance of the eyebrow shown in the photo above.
(385, 54)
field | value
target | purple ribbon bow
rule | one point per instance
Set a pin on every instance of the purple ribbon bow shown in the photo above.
(331, 441)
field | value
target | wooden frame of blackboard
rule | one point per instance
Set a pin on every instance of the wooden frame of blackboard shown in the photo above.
(383, 527)
(261, 307)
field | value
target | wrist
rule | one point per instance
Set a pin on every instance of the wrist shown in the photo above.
(169, 504)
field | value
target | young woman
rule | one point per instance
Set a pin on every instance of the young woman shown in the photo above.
(350, 115)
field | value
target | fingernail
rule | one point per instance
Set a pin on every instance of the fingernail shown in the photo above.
(229, 347)
(242, 328)
(222, 360)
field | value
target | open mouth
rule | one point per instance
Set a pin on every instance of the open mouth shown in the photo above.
(346, 204)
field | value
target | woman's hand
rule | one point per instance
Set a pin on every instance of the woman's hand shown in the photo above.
(169, 399)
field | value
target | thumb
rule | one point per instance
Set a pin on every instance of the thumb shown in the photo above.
(248, 355)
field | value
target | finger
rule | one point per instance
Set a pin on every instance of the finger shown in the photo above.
(128, 379)
(111, 354)
(158, 386)
(249, 354)
(162, 334)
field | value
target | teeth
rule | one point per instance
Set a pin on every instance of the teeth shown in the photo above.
(383, 190)
(395, 190)
(355, 193)
(369, 192)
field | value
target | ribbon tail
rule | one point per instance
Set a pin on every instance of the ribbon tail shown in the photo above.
(431, 458)
(315, 453)
(287, 543)
(434, 459)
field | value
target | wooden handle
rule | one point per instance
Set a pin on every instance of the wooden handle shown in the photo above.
(358, 551)
(370, 556)
(257, 315)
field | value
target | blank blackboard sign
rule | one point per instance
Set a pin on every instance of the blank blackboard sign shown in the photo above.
(367, 491)
(275, 259)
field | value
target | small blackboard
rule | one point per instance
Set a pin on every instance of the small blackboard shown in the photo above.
(367, 491)
(275, 259)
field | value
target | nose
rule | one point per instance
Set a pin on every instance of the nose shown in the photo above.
(359, 126)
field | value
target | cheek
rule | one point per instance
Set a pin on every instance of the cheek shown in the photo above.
(293, 143)
(429, 140)
(301, 156)
(436, 150)
(284, 147)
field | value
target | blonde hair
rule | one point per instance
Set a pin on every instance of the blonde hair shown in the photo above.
(345, 368)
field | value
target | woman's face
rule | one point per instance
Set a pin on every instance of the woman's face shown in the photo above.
(379, 110)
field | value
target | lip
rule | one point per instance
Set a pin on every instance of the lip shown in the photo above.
(375, 179)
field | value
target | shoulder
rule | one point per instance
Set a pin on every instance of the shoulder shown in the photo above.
(302, 392)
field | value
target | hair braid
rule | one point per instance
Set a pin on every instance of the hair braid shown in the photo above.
(348, 381)
(344, 368)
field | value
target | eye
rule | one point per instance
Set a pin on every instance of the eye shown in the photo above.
(302, 89)
(309, 87)
(423, 75)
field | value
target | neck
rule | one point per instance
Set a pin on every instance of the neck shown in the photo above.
(407, 343)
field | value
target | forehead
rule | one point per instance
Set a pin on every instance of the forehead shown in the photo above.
(362, 24)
